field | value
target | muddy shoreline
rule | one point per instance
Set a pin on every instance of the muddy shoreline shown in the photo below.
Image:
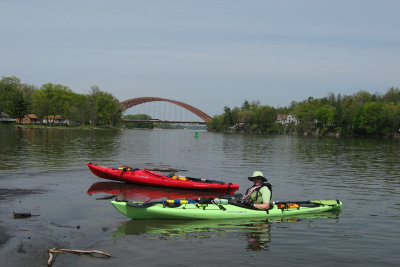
(59, 220)
(17, 240)
(10, 193)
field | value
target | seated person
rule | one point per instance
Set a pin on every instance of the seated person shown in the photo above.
(260, 194)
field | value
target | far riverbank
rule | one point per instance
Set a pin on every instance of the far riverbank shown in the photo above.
(314, 132)
(335, 132)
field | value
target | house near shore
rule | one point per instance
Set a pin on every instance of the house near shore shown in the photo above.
(286, 119)
(29, 119)
(4, 117)
(47, 120)
(55, 120)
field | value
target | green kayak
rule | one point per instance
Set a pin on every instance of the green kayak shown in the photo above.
(189, 211)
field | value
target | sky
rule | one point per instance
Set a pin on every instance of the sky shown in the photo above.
(208, 54)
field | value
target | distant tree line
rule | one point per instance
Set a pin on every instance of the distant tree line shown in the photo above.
(359, 114)
(97, 108)
(139, 117)
(154, 124)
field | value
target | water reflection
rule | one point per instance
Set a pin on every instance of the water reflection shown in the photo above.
(131, 192)
(258, 236)
(255, 234)
(53, 148)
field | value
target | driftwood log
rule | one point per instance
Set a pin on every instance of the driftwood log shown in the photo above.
(76, 251)
(23, 215)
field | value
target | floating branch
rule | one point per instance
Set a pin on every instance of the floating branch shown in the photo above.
(76, 251)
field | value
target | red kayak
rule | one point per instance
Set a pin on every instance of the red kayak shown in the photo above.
(141, 193)
(146, 177)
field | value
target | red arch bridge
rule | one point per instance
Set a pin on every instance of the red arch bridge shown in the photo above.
(141, 100)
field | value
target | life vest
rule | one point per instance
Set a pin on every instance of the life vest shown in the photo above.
(258, 194)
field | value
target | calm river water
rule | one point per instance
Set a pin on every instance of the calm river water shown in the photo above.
(44, 172)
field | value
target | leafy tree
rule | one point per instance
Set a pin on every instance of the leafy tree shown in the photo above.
(362, 97)
(254, 105)
(246, 105)
(27, 92)
(235, 115)
(80, 109)
(105, 108)
(332, 99)
(265, 117)
(325, 115)
(245, 116)
(349, 110)
(52, 100)
(41, 102)
(8, 85)
(392, 96)
(338, 113)
(228, 119)
(305, 112)
(12, 100)
(19, 107)
(395, 117)
(216, 124)
(374, 117)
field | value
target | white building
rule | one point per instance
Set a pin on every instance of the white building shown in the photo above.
(286, 119)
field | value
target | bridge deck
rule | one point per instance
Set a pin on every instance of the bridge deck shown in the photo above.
(165, 122)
